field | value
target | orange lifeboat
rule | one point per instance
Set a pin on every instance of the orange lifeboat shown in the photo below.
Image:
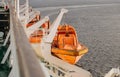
(38, 34)
(66, 46)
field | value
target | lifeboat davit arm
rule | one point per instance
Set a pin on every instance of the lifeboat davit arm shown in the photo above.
(53, 28)
(36, 26)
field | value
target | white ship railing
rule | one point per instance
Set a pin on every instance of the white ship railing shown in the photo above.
(23, 61)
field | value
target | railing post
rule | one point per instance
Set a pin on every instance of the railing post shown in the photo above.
(27, 10)
(17, 8)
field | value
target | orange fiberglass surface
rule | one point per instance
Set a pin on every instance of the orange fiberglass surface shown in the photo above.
(66, 46)
(38, 34)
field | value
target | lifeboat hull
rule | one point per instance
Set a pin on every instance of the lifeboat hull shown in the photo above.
(70, 56)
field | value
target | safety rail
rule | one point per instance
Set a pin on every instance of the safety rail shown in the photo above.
(25, 62)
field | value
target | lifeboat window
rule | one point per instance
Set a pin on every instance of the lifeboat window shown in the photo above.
(67, 34)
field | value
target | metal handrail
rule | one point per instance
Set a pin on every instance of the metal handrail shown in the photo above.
(28, 63)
